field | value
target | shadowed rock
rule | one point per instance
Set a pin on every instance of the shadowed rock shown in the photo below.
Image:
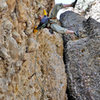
(82, 58)
(73, 21)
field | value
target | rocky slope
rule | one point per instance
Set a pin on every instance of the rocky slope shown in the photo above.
(31, 65)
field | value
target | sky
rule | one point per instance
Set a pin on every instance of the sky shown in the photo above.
(64, 1)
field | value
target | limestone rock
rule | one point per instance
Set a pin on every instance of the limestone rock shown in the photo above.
(88, 8)
(39, 74)
(11, 5)
(28, 31)
(3, 6)
(4, 53)
(19, 63)
(17, 37)
(47, 61)
(31, 65)
(32, 45)
(7, 26)
(22, 14)
(13, 47)
(82, 5)
(94, 11)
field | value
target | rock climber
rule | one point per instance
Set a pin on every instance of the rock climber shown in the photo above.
(50, 23)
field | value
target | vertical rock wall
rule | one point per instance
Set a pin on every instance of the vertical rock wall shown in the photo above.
(31, 65)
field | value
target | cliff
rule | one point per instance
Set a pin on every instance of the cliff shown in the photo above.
(31, 65)
(44, 66)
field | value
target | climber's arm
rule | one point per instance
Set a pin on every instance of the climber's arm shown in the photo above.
(61, 30)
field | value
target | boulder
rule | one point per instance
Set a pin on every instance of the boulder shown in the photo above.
(82, 58)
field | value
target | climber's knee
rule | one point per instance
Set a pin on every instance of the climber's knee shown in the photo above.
(58, 28)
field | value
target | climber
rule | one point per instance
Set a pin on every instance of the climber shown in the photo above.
(56, 27)
(43, 22)
(49, 23)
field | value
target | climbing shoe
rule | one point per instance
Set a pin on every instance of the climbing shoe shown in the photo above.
(77, 33)
(74, 3)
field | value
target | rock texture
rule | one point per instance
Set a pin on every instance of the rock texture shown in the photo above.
(83, 5)
(94, 11)
(31, 65)
(88, 8)
(82, 57)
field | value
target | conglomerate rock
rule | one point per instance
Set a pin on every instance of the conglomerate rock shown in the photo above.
(31, 65)
(82, 57)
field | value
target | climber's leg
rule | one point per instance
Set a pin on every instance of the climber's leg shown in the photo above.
(70, 5)
(60, 29)
(55, 10)
(67, 5)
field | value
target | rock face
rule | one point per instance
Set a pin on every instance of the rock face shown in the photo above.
(83, 5)
(94, 11)
(88, 8)
(82, 58)
(31, 65)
